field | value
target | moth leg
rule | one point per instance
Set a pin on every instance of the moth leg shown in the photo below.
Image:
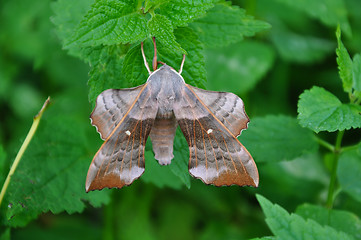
(155, 63)
(144, 58)
(182, 64)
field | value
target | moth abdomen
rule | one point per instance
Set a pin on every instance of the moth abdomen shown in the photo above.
(162, 137)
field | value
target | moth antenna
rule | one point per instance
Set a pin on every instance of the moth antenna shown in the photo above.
(155, 63)
(181, 67)
(145, 59)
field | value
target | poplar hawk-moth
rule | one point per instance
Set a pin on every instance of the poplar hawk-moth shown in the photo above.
(210, 122)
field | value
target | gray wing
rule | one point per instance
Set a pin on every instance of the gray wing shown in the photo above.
(120, 160)
(215, 154)
(226, 107)
(111, 105)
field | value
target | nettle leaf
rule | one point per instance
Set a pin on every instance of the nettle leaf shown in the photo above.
(51, 174)
(226, 24)
(110, 22)
(356, 76)
(348, 173)
(134, 69)
(181, 12)
(344, 63)
(161, 27)
(344, 221)
(282, 138)
(320, 110)
(153, 4)
(194, 71)
(106, 69)
(330, 12)
(238, 67)
(292, 226)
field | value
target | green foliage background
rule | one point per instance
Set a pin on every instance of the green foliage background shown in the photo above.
(301, 84)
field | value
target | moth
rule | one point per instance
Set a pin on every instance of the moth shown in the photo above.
(210, 122)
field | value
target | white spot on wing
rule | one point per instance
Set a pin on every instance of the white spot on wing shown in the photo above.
(127, 132)
(209, 131)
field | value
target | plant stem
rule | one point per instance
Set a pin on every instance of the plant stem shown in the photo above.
(336, 152)
(349, 148)
(325, 144)
(25, 144)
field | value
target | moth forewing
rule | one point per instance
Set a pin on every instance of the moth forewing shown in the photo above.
(120, 160)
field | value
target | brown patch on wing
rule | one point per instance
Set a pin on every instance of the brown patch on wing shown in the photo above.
(108, 181)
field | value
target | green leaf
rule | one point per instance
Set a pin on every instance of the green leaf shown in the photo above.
(239, 67)
(134, 69)
(106, 69)
(348, 173)
(320, 110)
(356, 74)
(330, 12)
(182, 12)
(148, 4)
(51, 174)
(194, 71)
(161, 27)
(161, 176)
(110, 22)
(344, 63)
(344, 221)
(292, 226)
(225, 24)
(275, 133)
